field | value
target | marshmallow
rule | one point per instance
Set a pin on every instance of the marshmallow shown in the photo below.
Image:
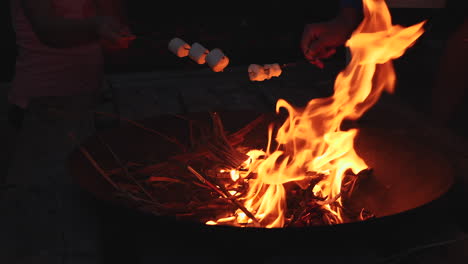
(272, 70)
(256, 73)
(265, 72)
(179, 47)
(198, 53)
(217, 60)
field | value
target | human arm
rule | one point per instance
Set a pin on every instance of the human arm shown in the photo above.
(320, 40)
(59, 32)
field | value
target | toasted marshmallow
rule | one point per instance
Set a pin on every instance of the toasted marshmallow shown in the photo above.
(217, 60)
(179, 47)
(198, 53)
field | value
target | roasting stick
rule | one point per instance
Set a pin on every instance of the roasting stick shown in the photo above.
(291, 64)
(215, 58)
(317, 62)
(264, 72)
(223, 193)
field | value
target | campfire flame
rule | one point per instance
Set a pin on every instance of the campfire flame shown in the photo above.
(311, 142)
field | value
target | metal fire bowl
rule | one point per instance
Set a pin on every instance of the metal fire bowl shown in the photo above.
(407, 192)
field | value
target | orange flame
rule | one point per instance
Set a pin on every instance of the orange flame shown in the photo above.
(310, 141)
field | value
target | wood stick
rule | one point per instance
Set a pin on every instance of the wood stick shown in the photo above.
(117, 159)
(94, 163)
(226, 195)
(238, 137)
(329, 201)
(170, 139)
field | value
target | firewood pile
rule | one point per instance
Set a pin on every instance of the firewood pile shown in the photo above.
(197, 184)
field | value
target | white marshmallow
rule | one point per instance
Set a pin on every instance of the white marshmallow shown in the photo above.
(265, 72)
(217, 60)
(256, 73)
(198, 53)
(272, 70)
(179, 47)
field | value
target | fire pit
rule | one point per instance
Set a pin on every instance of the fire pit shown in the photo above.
(402, 178)
(406, 190)
(253, 179)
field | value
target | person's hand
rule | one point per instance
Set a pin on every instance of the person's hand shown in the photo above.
(319, 41)
(123, 42)
(107, 28)
(126, 37)
(112, 35)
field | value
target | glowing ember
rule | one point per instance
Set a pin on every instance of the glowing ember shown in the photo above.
(310, 147)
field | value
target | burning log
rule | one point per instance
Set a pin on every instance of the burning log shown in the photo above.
(224, 194)
(306, 209)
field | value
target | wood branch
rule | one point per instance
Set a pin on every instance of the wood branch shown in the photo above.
(94, 163)
(117, 159)
(212, 149)
(224, 194)
(209, 149)
(365, 215)
(329, 201)
(220, 146)
(129, 164)
(136, 124)
(238, 137)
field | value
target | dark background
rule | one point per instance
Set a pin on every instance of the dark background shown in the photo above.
(260, 32)
(240, 28)
(248, 31)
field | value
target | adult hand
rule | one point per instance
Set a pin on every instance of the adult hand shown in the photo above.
(107, 28)
(320, 40)
(126, 37)
(113, 36)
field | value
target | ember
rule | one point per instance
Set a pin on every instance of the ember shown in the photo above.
(307, 170)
